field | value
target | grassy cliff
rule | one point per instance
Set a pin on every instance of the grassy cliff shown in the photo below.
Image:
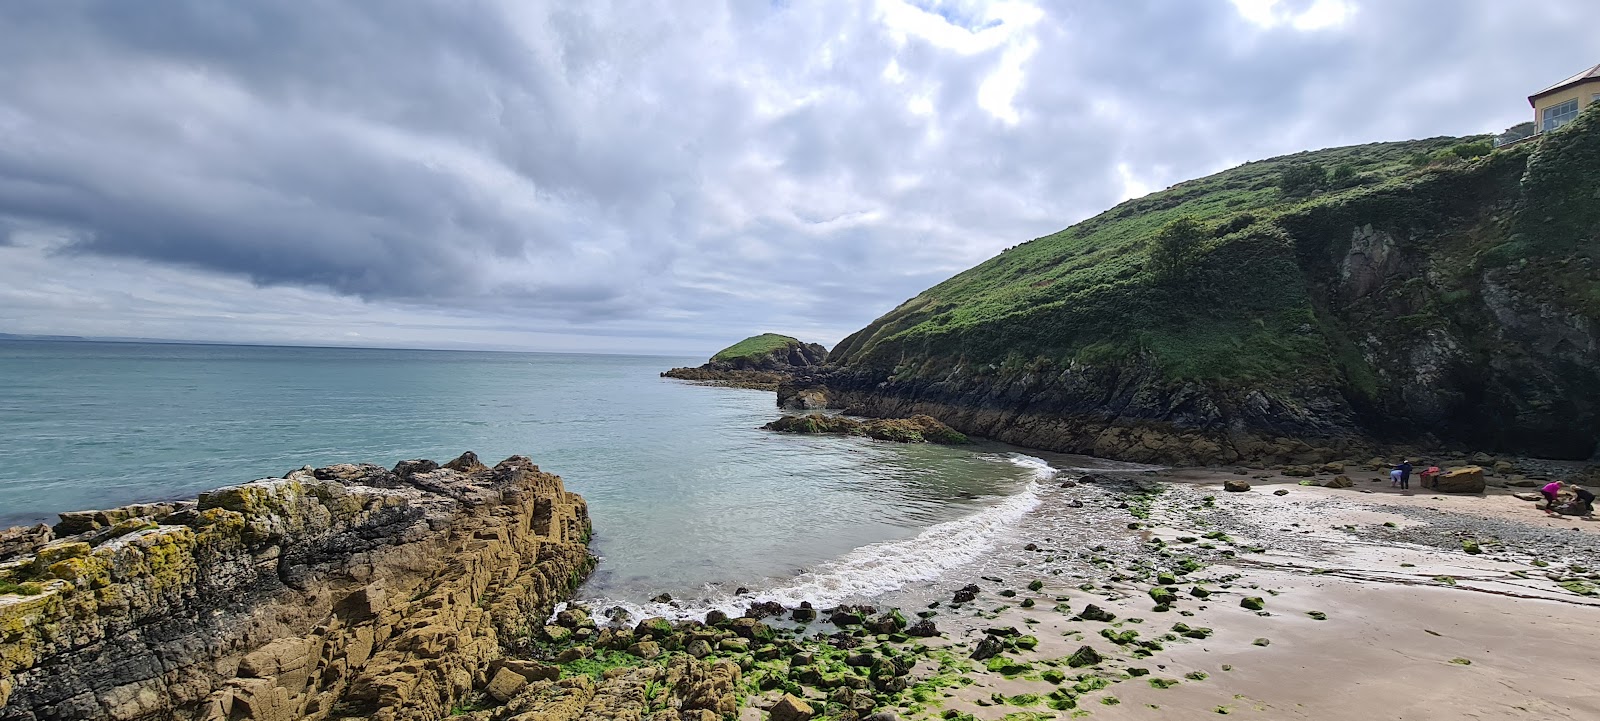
(1421, 290)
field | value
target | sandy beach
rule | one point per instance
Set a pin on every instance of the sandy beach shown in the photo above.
(1411, 627)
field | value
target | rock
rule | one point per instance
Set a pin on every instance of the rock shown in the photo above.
(573, 618)
(1503, 467)
(804, 614)
(988, 648)
(1069, 484)
(1534, 497)
(1084, 656)
(1031, 547)
(337, 587)
(662, 598)
(1471, 546)
(655, 627)
(1280, 492)
(1461, 480)
(1333, 468)
(407, 469)
(23, 540)
(467, 463)
(717, 618)
(1092, 612)
(1075, 503)
(883, 716)
(1252, 603)
(924, 628)
(575, 653)
(763, 609)
(645, 649)
(698, 648)
(790, 708)
(734, 645)
(1339, 482)
(1235, 486)
(1299, 471)
(505, 685)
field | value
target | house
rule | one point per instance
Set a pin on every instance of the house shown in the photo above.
(1559, 104)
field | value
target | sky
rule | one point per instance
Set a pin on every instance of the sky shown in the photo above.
(646, 177)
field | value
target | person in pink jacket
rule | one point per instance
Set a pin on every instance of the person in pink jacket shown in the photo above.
(1550, 491)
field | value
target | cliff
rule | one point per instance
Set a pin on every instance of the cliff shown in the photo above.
(343, 592)
(760, 362)
(1298, 309)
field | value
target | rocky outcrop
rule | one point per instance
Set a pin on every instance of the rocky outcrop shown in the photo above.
(916, 429)
(351, 591)
(761, 362)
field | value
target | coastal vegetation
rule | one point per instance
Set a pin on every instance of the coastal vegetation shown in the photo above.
(1434, 286)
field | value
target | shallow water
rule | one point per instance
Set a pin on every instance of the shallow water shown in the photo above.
(687, 494)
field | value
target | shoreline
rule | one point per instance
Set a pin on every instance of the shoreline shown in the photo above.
(1364, 587)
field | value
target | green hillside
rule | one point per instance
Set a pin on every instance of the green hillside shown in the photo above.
(1319, 271)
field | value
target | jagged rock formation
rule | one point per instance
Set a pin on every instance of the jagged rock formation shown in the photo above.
(761, 362)
(917, 429)
(350, 591)
(1427, 293)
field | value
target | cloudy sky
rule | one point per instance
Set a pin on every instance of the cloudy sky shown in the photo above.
(612, 175)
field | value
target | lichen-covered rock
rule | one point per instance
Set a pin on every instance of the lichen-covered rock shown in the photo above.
(349, 591)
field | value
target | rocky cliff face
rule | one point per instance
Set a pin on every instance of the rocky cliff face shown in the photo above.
(1416, 298)
(343, 592)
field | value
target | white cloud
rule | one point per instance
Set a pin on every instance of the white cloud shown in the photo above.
(1320, 15)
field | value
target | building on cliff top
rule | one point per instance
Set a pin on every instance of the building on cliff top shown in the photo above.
(1560, 104)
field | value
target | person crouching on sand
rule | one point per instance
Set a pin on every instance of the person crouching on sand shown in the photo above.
(1585, 500)
(1550, 491)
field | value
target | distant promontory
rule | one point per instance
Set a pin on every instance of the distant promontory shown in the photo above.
(760, 362)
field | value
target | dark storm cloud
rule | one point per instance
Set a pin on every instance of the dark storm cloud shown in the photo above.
(695, 171)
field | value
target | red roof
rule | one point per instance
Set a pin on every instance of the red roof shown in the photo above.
(1588, 76)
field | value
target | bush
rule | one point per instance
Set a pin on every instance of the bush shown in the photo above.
(1303, 179)
(1468, 151)
(1175, 248)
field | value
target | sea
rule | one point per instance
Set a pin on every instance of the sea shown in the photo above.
(687, 493)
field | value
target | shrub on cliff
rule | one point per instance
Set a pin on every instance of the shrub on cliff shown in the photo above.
(1302, 179)
(1173, 250)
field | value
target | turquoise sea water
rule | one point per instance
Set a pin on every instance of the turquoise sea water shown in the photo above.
(687, 494)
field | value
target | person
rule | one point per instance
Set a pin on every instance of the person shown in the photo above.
(1405, 473)
(1394, 477)
(1585, 500)
(1550, 491)
(1432, 474)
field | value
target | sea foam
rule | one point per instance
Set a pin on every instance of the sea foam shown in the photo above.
(877, 568)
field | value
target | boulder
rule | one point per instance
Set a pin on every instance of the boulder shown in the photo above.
(988, 648)
(1461, 480)
(1281, 492)
(791, 708)
(505, 685)
(1235, 485)
(1339, 482)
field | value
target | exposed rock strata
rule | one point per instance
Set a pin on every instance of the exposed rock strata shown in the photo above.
(350, 591)
(916, 429)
